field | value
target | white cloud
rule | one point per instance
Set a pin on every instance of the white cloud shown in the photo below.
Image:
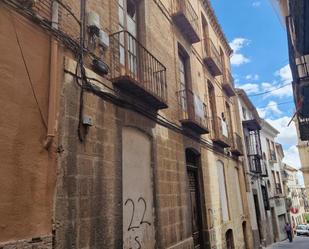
(256, 4)
(288, 135)
(288, 138)
(270, 110)
(291, 157)
(239, 43)
(252, 77)
(276, 89)
(249, 88)
(285, 74)
(237, 58)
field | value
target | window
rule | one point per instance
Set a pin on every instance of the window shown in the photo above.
(127, 12)
(212, 101)
(265, 197)
(223, 192)
(244, 112)
(268, 144)
(222, 60)
(205, 34)
(182, 81)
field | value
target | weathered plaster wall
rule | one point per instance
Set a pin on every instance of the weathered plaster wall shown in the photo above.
(27, 171)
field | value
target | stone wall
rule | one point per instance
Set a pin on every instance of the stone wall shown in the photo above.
(42, 242)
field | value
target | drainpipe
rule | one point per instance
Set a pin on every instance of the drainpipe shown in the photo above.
(52, 105)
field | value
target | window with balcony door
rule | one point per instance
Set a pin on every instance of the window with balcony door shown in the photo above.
(205, 34)
(127, 11)
(268, 144)
(222, 60)
(278, 184)
(212, 101)
(182, 81)
(229, 119)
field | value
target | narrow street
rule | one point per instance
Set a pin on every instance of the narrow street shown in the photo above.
(298, 243)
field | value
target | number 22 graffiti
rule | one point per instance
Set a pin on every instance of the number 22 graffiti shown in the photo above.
(135, 223)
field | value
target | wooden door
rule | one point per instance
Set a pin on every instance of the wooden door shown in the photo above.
(195, 208)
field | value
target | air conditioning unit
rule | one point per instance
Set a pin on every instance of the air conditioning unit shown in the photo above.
(93, 23)
(103, 39)
(28, 3)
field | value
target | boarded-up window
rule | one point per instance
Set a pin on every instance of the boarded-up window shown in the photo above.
(223, 193)
(238, 192)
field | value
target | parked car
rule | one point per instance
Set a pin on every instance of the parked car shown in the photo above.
(302, 230)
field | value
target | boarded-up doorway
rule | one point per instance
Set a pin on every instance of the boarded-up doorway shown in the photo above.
(137, 190)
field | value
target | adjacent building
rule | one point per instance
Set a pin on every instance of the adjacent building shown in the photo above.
(297, 201)
(294, 14)
(272, 154)
(254, 167)
(121, 128)
(262, 163)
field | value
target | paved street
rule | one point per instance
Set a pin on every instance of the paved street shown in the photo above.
(298, 243)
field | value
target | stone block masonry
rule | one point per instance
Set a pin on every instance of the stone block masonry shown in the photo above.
(43, 242)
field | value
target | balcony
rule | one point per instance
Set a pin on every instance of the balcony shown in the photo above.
(136, 71)
(253, 146)
(303, 124)
(255, 164)
(264, 171)
(237, 147)
(193, 112)
(220, 133)
(212, 58)
(186, 19)
(228, 83)
(272, 156)
(278, 189)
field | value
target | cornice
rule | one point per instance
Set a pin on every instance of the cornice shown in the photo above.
(216, 25)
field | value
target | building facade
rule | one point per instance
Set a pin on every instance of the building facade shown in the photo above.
(254, 168)
(295, 17)
(126, 127)
(303, 150)
(296, 196)
(277, 212)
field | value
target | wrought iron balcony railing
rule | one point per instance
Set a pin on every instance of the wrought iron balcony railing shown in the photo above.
(255, 164)
(135, 70)
(220, 132)
(212, 57)
(185, 17)
(193, 112)
(237, 147)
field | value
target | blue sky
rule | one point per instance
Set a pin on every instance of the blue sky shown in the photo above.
(260, 63)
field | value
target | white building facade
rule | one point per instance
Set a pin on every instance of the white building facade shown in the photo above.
(254, 168)
(272, 158)
(296, 196)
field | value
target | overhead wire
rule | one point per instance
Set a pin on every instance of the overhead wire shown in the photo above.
(269, 91)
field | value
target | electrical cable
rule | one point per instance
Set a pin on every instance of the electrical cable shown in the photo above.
(272, 90)
(79, 50)
(27, 70)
